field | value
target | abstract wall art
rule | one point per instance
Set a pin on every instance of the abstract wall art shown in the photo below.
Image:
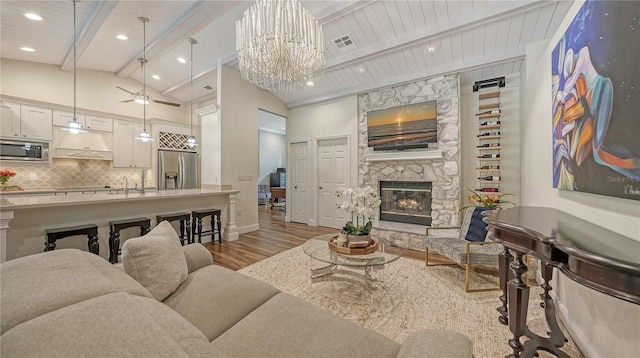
(596, 101)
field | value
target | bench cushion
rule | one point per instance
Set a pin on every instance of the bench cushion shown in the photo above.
(456, 250)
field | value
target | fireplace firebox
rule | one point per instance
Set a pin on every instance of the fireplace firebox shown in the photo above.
(406, 202)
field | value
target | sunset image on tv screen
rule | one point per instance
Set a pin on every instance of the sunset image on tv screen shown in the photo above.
(410, 125)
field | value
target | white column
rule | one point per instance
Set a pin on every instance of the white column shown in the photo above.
(231, 230)
(5, 218)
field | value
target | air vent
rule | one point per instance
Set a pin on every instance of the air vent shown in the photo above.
(344, 43)
(207, 87)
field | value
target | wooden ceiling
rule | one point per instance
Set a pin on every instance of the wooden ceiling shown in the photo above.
(479, 39)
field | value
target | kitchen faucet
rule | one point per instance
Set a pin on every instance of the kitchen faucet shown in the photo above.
(126, 186)
(142, 177)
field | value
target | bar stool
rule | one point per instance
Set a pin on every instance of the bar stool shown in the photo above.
(114, 234)
(91, 230)
(196, 224)
(185, 224)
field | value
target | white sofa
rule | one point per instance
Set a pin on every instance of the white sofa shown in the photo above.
(70, 303)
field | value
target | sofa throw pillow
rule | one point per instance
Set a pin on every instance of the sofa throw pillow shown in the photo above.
(477, 228)
(156, 260)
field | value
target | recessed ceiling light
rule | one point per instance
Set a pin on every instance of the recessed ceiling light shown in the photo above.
(27, 49)
(431, 49)
(310, 83)
(361, 69)
(156, 77)
(122, 37)
(32, 16)
(181, 60)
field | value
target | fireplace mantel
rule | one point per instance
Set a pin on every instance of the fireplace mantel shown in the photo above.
(413, 155)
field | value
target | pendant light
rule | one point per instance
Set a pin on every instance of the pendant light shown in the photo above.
(191, 141)
(74, 127)
(144, 136)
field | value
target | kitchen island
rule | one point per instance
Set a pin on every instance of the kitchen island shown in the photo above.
(23, 219)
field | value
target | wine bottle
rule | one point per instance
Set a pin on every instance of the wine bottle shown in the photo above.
(490, 178)
(490, 156)
(490, 167)
(493, 111)
(488, 190)
(489, 123)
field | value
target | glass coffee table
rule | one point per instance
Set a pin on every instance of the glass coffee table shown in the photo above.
(343, 267)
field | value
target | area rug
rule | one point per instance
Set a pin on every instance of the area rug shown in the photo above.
(409, 297)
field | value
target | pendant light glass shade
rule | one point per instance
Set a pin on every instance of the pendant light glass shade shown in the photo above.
(74, 127)
(191, 141)
(144, 136)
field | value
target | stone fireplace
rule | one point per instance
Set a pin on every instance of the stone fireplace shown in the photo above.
(438, 165)
(406, 202)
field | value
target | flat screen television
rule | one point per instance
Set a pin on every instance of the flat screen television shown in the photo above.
(403, 127)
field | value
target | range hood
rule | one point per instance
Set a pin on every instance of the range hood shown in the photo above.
(90, 145)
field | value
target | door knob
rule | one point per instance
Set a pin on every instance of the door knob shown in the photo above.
(320, 188)
(295, 187)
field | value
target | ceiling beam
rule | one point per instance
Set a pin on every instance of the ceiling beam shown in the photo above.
(511, 55)
(89, 30)
(193, 19)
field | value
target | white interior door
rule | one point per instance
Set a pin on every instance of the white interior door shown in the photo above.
(333, 173)
(298, 185)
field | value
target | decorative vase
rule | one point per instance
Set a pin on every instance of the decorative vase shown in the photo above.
(4, 180)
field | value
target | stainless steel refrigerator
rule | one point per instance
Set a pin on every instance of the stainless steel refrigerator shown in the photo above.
(177, 170)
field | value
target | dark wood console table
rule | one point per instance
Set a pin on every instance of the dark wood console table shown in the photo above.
(586, 253)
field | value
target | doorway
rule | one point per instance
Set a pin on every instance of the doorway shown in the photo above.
(272, 145)
(333, 173)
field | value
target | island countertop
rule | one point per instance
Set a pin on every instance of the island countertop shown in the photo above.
(8, 202)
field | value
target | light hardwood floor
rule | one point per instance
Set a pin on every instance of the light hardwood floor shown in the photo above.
(275, 236)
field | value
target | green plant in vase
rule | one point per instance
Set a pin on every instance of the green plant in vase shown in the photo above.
(5, 175)
(491, 202)
(362, 204)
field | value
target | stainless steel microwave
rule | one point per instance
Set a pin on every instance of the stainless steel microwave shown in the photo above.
(24, 151)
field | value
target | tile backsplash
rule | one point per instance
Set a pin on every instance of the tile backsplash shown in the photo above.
(76, 173)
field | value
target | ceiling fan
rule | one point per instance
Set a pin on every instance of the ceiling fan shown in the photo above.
(140, 97)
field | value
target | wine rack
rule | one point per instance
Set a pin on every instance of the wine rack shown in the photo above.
(488, 147)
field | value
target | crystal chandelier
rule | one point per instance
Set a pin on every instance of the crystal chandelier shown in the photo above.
(280, 45)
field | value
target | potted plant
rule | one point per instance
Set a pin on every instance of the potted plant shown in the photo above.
(362, 204)
(491, 202)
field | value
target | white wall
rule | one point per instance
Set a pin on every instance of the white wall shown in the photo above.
(601, 325)
(238, 113)
(273, 154)
(96, 90)
(329, 119)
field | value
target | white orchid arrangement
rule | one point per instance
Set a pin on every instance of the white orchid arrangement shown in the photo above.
(362, 204)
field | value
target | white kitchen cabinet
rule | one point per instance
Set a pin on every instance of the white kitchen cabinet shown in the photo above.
(62, 119)
(96, 123)
(87, 121)
(21, 121)
(127, 151)
(9, 119)
(35, 122)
